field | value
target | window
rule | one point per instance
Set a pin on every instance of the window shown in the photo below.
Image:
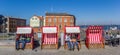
(65, 19)
(71, 20)
(32, 18)
(60, 19)
(49, 19)
(55, 20)
(35, 18)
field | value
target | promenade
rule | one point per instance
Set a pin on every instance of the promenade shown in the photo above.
(6, 50)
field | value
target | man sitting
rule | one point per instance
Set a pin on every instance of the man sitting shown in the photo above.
(19, 40)
(74, 41)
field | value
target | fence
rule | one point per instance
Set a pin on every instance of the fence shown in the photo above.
(7, 36)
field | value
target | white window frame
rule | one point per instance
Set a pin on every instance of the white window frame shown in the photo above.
(65, 19)
(49, 19)
(55, 20)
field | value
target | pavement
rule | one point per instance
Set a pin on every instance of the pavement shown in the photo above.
(7, 42)
(10, 50)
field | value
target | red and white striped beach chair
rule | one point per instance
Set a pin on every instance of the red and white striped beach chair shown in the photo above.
(94, 37)
(49, 37)
(28, 32)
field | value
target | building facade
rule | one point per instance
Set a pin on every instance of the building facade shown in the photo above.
(60, 20)
(11, 23)
(37, 22)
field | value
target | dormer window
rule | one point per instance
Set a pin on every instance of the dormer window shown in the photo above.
(32, 18)
(35, 18)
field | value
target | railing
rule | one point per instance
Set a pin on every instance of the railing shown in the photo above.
(7, 36)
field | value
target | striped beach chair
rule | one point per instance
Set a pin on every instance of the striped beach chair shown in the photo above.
(94, 38)
(49, 37)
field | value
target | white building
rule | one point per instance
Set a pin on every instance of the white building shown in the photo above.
(36, 21)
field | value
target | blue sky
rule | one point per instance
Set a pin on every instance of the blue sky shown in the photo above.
(85, 11)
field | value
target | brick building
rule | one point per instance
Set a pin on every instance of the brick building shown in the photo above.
(11, 24)
(60, 20)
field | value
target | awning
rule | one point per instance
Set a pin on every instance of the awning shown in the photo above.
(24, 30)
(72, 29)
(49, 29)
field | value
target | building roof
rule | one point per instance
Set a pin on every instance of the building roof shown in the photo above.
(16, 18)
(58, 14)
(40, 17)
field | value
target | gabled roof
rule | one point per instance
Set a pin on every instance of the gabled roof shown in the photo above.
(39, 17)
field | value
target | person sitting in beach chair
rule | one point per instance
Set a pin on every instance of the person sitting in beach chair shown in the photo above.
(68, 41)
(19, 40)
(113, 40)
(74, 41)
(27, 39)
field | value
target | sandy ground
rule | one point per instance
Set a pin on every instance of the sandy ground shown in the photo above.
(6, 50)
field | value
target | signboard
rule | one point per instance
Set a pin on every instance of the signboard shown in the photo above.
(49, 29)
(72, 29)
(24, 30)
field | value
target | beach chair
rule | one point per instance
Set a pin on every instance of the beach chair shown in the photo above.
(94, 38)
(28, 32)
(72, 31)
(49, 37)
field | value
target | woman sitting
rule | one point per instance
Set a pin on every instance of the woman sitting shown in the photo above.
(68, 41)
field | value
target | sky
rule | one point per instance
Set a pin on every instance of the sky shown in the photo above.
(85, 11)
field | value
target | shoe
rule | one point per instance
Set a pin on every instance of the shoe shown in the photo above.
(69, 49)
(22, 48)
(78, 49)
(17, 48)
(73, 49)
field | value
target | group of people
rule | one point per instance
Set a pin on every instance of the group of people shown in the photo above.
(113, 40)
(23, 40)
(71, 41)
